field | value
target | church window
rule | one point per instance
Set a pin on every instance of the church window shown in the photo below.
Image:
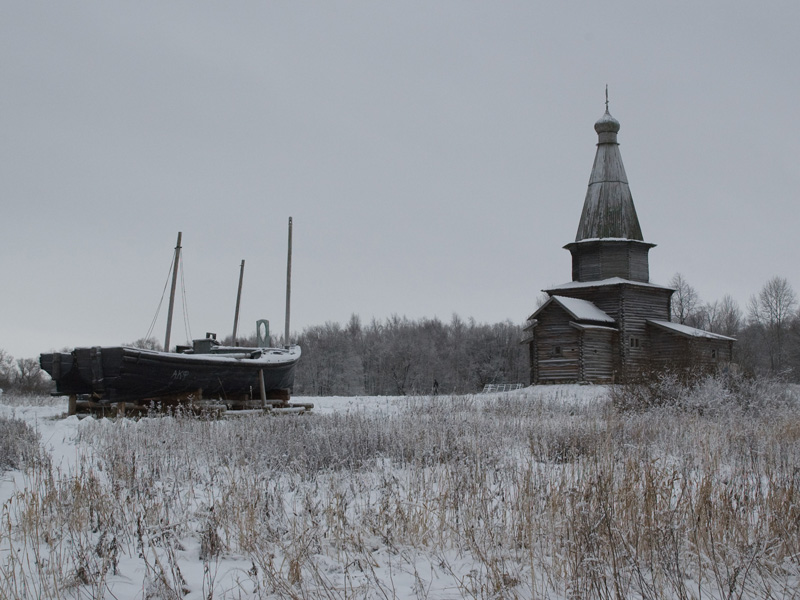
(634, 342)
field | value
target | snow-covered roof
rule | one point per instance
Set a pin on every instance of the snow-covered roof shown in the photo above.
(610, 239)
(610, 281)
(592, 327)
(581, 310)
(689, 331)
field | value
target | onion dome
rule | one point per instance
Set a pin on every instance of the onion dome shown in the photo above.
(607, 128)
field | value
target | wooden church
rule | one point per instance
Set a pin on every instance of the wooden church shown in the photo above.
(610, 323)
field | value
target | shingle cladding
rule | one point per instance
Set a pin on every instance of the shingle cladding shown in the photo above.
(608, 210)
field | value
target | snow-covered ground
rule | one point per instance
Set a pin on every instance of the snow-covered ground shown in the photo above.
(517, 495)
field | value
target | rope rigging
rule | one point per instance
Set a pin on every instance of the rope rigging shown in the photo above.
(161, 301)
(186, 327)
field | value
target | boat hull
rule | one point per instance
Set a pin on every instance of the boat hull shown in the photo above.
(121, 373)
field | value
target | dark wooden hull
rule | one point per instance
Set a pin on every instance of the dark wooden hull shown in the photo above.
(120, 373)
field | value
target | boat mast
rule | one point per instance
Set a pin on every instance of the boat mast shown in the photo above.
(288, 284)
(238, 301)
(172, 292)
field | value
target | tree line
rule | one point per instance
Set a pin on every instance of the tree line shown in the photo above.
(399, 356)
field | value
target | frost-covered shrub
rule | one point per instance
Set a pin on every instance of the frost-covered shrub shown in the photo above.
(664, 388)
(18, 443)
(764, 392)
(705, 393)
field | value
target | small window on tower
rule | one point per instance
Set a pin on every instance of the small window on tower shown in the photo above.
(634, 342)
(557, 351)
(714, 354)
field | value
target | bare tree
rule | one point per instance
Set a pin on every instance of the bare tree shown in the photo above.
(721, 316)
(7, 370)
(772, 312)
(685, 301)
(29, 377)
(728, 319)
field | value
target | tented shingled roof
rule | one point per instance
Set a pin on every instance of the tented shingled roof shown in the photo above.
(608, 211)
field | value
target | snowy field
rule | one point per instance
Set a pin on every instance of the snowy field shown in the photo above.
(546, 492)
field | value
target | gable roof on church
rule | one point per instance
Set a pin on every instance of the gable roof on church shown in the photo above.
(580, 310)
(586, 327)
(608, 210)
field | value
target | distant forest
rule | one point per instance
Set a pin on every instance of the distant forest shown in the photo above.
(399, 356)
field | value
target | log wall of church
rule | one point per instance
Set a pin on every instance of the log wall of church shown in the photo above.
(556, 348)
(597, 355)
(673, 350)
(598, 261)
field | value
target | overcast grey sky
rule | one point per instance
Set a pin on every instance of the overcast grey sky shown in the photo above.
(434, 155)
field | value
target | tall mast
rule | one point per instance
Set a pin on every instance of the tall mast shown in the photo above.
(288, 284)
(172, 292)
(238, 301)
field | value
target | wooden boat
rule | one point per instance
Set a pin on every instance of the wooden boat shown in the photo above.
(207, 369)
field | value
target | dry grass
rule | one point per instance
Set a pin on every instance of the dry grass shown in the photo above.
(515, 496)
